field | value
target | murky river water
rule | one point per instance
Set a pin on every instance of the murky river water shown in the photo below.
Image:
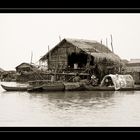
(88, 108)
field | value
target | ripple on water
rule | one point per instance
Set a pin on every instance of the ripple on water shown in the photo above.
(84, 108)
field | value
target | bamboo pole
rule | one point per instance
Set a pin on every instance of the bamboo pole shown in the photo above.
(59, 38)
(106, 42)
(112, 43)
(48, 57)
(101, 41)
(31, 57)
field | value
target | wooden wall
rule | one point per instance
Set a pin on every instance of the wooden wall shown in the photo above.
(59, 56)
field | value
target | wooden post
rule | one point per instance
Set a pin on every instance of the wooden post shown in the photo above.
(48, 57)
(59, 38)
(57, 58)
(31, 57)
(106, 42)
(101, 41)
(112, 43)
(67, 56)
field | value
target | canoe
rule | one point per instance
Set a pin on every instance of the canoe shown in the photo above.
(9, 88)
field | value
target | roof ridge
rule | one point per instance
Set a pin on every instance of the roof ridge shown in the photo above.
(79, 39)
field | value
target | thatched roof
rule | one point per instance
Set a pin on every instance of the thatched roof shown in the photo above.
(25, 65)
(88, 45)
(91, 47)
(109, 56)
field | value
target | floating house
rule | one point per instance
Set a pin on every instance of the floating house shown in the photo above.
(25, 67)
(26, 72)
(79, 55)
(133, 68)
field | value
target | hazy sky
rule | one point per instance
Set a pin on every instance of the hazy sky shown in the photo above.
(22, 33)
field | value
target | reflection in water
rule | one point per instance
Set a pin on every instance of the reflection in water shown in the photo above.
(84, 108)
(71, 100)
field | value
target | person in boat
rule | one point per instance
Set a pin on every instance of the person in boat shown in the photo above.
(108, 82)
(94, 80)
(76, 78)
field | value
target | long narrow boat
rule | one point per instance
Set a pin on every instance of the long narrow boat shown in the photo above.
(60, 88)
(119, 82)
(14, 88)
(98, 88)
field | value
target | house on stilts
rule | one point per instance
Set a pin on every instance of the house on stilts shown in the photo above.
(133, 68)
(82, 56)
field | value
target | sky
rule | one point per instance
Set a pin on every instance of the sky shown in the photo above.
(24, 33)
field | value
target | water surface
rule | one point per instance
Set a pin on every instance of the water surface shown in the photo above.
(84, 108)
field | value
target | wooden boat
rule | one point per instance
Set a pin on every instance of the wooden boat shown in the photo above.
(45, 85)
(34, 88)
(61, 88)
(54, 87)
(16, 88)
(74, 86)
(120, 83)
(99, 88)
